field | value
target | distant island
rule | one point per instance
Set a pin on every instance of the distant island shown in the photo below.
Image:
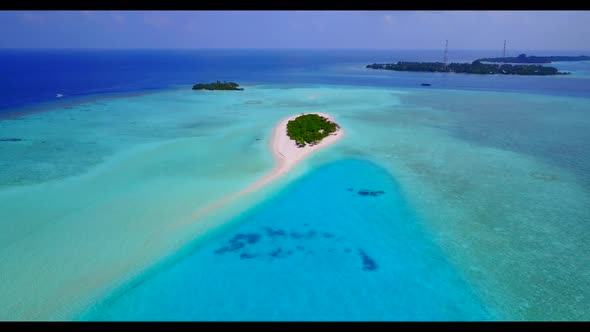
(523, 58)
(476, 67)
(217, 86)
(310, 128)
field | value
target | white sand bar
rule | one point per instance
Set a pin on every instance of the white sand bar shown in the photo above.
(286, 152)
(286, 155)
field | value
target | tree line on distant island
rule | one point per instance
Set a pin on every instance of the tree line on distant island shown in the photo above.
(217, 86)
(310, 128)
(523, 58)
(476, 67)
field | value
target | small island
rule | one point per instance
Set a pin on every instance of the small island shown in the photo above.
(523, 58)
(218, 86)
(310, 128)
(476, 67)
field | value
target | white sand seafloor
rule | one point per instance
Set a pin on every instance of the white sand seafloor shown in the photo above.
(59, 296)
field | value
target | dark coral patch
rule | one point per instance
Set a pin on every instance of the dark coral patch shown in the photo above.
(238, 242)
(372, 193)
(236, 245)
(246, 256)
(328, 235)
(222, 250)
(276, 253)
(249, 237)
(296, 235)
(274, 232)
(368, 263)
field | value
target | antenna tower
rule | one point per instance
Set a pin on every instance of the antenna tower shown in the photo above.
(446, 52)
(504, 53)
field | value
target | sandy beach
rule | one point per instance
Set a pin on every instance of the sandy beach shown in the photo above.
(286, 152)
(286, 155)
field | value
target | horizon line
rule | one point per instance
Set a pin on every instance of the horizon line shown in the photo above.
(277, 48)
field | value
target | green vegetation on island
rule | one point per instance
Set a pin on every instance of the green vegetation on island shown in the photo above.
(523, 58)
(310, 128)
(476, 67)
(217, 86)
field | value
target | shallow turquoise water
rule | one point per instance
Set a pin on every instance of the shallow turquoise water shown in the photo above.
(100, 196)
(321, 249)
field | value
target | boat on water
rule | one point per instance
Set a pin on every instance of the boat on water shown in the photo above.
(426, 84)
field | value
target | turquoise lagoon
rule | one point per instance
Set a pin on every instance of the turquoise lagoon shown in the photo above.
(339, 244)
(483, 213)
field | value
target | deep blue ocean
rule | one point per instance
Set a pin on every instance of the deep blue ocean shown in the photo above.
(38, 76)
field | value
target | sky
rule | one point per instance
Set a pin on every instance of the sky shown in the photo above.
(530, 30)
